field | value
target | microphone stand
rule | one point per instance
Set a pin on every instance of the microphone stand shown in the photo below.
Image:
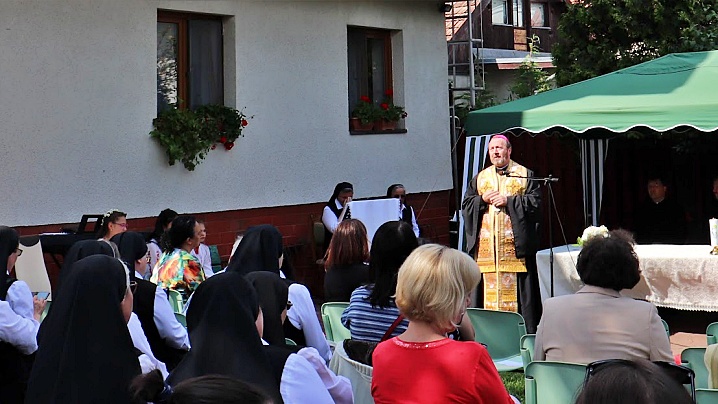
(551, 204)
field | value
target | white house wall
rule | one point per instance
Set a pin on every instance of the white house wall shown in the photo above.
(78, 98)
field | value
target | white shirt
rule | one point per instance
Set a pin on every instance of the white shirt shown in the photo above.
(147, 360)
(155, 252)
(307, 379)
(414, 225)
(205, 258)
(174, 334)
(303, 316)
(329, 218)
(18, 326)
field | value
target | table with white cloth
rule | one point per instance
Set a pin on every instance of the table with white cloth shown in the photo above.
(675, 276)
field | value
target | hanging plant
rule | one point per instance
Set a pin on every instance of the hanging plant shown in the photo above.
(188, 136)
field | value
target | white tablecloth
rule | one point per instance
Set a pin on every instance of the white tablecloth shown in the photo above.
(675, 276)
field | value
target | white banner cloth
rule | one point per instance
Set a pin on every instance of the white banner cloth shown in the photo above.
(374, 213)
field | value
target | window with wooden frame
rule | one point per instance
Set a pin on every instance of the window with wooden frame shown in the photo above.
(370, 71)
(190, 69)
(507, 12)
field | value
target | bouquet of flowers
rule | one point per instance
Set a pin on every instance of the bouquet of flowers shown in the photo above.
(591, 232)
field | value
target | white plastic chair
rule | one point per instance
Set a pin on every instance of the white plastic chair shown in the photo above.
(358, 374)
(30, 266)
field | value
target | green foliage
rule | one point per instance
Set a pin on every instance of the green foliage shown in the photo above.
(188, 136)
(531, 79)
(514, 382)
(601, 36)
(390, 112)
(462, 105)
(366, 111)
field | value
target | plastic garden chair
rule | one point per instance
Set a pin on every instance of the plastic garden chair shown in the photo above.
(358, 374)
(501, 332)
(181, 319)
(712, 333)
(175, 299)
(216, 259)
(332, 319)
(692, 358)
(706, 396)
(553, 382)
(527, 349)
(665, 326)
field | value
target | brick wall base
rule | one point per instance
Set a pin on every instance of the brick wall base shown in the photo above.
(295, 224)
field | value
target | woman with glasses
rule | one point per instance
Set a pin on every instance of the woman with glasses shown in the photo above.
(113, 222)
(166, 336)
(596, 322)
(86, 355)
(20, 314)
(406, 212)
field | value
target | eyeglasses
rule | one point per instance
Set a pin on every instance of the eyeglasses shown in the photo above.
(123, 225)
(289, 305)
(18, 252)
(133, 286)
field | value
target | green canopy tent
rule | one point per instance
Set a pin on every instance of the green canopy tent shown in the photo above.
(676, 90)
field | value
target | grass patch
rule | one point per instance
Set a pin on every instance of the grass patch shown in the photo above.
(514, 382)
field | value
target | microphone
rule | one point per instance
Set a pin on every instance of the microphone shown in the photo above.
(503, 172)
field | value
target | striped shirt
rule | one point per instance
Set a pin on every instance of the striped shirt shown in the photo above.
(367, 323)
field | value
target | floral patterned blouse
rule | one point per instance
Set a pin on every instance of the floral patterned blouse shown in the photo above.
(178, 270)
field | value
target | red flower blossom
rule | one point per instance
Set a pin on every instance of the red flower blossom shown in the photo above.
(214, 146)
(223, 139)
(244, 122)
(229, 145)
(365, 98)
(389, 93)
(384, 106)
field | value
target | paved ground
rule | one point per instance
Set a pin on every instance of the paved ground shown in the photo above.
(688, 328)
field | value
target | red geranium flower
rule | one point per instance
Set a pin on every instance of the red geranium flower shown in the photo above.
(365, 98)
(389, 92)
(244, 122)
(214, 146)
(223, 139)
(384, 106)
(229, 145)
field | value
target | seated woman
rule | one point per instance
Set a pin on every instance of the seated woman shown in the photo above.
(210, 389)
(343, 193)
(632, 382)
(261, 251)
(178, 269)
(345, 261)
(596, 322)
(163, 222)
(86, 355)
(166, 336)
(78, 251)
(423, 364)
(371, 308)
(20, 314)
(406, 212)
(225, 312)
(113, 222)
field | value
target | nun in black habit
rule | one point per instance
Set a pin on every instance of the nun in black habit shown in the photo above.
(78, 251)
(166, 336)
(87, 354)
(343, 192)
(259, 250)
(224, 322)
(18, 323)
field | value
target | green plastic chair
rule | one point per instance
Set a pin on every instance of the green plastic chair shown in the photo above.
(553, 382)
(692, 358)
(289, 341)
(47, 310)
(706, 396)
(712, 333)
(501, 331)
(175, 299)
(332, 319)
(527, 349)
(181, 319)
(216, 258)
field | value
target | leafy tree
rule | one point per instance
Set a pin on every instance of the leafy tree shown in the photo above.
(531, 78)
(601, 36)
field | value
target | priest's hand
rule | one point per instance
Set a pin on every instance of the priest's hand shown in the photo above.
(499, 200)
(488, 196)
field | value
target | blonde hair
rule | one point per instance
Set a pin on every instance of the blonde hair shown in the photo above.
(433, 284)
